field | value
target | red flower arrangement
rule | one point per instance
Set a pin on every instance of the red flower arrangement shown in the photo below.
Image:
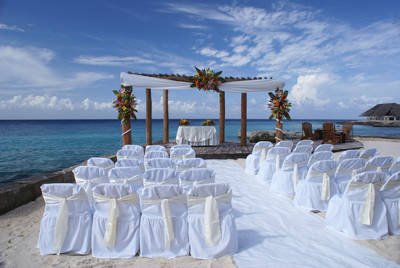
(125, 103)
(207, 79)
(279, 104)
(183, 122)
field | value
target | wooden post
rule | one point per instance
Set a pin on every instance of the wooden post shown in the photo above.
(279, 131)
(243, 133)
(166, 117)
(127, 137)
(148, 117)
(221, 117)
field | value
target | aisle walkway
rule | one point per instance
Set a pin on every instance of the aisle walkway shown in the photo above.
(274, 233)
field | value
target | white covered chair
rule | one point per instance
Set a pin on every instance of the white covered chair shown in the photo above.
(130, 163)
(391, 196)
(180, 146)
(380, 164)
(360, 212)
(129, 154)
(155, 154)
(287, 144)
(258, 155)
(272, 162)
(127, 175)
(150, 148)
(185, 164)
(67, 220)
(347, 169)
(319, 186)
(163, 225)
(394, 168)
(324, 148)
(134, 147)
(212, 229)
(183, 153)
(159, 163)
(304, 142)
(116, 221)
(294, 169)
(89, 177)
(102, 162)
(303, 149)
(368, 153)
(349, 154)
(160, 176)
(191, 177)
(317, 156)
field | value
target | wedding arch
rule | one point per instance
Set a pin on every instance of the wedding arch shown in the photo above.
(167, 82)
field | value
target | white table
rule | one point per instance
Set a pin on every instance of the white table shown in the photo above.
(197, 135)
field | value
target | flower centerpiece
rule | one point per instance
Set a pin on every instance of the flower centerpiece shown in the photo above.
(207, 79)
(208, 123)
(125, 103)
(183, 122)
(280, 108)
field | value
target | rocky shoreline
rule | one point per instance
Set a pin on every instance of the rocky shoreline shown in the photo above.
(374, 123)
(267, 135)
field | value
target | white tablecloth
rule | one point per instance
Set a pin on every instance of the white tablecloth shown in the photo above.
(197, 135)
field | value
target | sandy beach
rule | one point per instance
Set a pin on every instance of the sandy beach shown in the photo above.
(20, 228)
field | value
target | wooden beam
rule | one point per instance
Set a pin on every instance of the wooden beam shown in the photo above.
(148, 117)
(166, 117)
(221, 117)
(243, 132)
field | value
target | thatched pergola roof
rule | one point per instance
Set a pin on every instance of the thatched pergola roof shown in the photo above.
(384, 109)
(186, 78)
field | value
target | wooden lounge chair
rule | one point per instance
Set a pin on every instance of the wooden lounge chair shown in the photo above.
(307, 131)
(329, 134)
(348, 130)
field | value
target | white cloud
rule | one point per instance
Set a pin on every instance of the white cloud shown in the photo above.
(11, 28)
(192, 26)
(208, 51)
(112, 60)
(37, 102)
(308, 89)
(88, 104)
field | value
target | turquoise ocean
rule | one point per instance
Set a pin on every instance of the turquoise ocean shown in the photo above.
(29, 147)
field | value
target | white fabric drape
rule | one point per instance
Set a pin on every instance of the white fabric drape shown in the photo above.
(61, 226)
(197, 135)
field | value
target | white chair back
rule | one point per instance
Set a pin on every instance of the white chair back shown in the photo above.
(155, 154)
(350, 167)
(369, 153)
(127, 175)
(129, 154)
(102, 162)
(160, 163)
(380, 164)
(304, 142)
(349, 154)
(293, 159)
(391, 196)
(191, 177)
(392, 182)
(160, 176)
(180, 146)
(88, 177)
(322, 155)
(184, 164)
(287, 144)
(277, 155)
(323, 170)
(324, 148)
(134, 147)
(150, 148)
(303, 149)
(395, 167)
(130, 163)
(183, 153)
(262, 145)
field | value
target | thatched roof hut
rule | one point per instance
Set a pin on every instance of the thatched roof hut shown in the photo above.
(384, 111)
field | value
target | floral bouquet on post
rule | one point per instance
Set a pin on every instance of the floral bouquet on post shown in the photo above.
(183, 122)
(207, 79)
(280, 107)
(208, 123)
(125, 103)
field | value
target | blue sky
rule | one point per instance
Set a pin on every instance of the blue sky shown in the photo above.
(62, 59)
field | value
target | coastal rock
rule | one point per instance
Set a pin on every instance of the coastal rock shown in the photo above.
(263, 135)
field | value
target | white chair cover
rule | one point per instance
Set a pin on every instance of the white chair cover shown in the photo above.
(212, 229)
(116, 220)
(191, 177)
(89, 177)
(185, 164)
(380, 164)
(322, 155)
(369, 153)
(304, 142)
(272, 162)
(180, 146)
(67, 220)
(391, 196)
(127, 175)
(360, 212)
(319, 186)
(294, 169)
(395, 167)
(160, 176)
(134, 147)
(349, 154)
(150, 148)
(287, 144)
(102, 162)
(130, 163)
(183, 153)
(347, 169)
(163, 226)
(324, 148)
(159, 163)
(303, 149)
(155, 154)
(258, 155)
(129, 154)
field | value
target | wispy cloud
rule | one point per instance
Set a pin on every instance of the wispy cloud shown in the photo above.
(192, 26)
(11, 28)
(112, 60)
